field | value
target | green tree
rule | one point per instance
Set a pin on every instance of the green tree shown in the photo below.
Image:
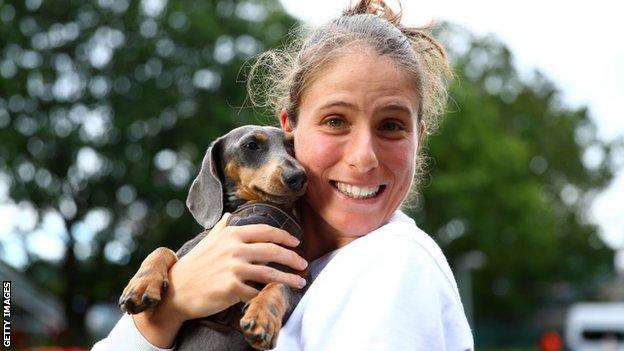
(106, 108)
(507, 181)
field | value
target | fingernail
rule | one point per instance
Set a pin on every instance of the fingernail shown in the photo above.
(297, 242)
(302, 282)
(303, 263)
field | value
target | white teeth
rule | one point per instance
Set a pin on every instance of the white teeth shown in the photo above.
(357, 192)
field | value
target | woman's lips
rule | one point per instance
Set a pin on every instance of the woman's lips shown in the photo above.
(358, 191)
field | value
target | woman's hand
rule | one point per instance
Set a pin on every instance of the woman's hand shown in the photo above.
(211, 277)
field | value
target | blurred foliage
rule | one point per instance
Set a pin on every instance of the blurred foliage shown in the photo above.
(509, 189)
(106, 108)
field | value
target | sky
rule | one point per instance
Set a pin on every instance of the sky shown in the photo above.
(576, 44)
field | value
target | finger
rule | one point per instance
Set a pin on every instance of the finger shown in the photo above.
(269, 252)
(266, 274)
(263, 233)
(222, 223)
(246, 292)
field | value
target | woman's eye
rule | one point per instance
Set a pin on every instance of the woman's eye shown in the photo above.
(252, 145)
(392, 126)
(335, 122)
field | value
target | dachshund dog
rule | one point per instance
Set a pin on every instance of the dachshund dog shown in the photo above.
(251, 172)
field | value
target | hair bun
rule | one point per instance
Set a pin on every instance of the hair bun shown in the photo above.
(377, 8)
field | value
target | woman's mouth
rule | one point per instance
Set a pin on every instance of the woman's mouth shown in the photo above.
(358, 192)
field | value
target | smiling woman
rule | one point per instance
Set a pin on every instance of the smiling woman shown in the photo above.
(357, 133)
(357, 96)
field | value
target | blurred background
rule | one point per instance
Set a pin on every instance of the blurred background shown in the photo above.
(107, 106)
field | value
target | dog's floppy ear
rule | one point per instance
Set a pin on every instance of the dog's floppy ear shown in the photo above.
(205, 197)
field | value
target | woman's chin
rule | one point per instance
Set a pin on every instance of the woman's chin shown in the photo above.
(353, 225)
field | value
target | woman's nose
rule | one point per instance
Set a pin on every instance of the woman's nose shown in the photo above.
(360, 153)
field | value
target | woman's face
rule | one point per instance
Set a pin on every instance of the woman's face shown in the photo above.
(356, 135)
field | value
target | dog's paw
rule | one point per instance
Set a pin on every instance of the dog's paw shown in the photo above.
(259, 326)
(143, 291)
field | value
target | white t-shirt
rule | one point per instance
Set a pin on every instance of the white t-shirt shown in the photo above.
(389, 290)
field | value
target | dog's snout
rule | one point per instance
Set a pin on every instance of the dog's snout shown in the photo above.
(295, 179)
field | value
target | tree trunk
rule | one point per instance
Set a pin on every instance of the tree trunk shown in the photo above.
(75, 306)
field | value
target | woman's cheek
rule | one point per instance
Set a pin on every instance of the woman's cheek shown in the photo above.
(400, 159)
(314, 151)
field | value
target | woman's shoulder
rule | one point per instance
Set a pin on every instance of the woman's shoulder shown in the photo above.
(402, 234)
(399, 246)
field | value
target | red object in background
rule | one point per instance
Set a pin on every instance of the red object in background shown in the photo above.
(550, 341)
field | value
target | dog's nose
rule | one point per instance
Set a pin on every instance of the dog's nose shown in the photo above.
(295, 179)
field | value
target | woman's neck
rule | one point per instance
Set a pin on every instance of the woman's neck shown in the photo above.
(319, 236)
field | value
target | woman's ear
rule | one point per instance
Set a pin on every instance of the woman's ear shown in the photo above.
(285, 121)
(422, 127)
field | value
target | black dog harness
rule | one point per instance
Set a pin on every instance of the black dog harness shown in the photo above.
(264, 213)
(255, 213)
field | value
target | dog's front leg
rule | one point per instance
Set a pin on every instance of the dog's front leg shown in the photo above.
(146, 287)
(265, 313)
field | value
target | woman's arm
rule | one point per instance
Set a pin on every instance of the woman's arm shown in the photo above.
(213, 276)
(159, 327)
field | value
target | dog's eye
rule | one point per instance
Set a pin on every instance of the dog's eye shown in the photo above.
(252, 145)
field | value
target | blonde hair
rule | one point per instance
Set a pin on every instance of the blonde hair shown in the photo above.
(279, 77)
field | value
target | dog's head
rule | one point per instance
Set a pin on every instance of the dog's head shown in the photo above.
(250, 163)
